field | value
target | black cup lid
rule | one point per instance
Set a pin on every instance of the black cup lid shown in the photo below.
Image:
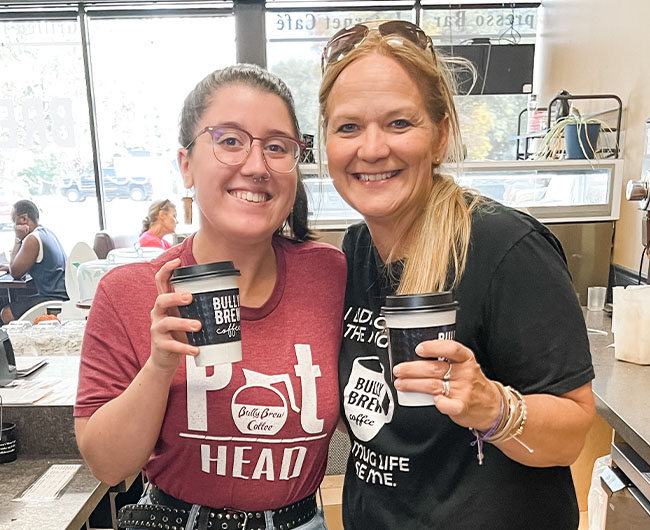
(218, 268)
(409, 302)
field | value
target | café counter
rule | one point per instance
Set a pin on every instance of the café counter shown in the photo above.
(621, 389)
(45, 435)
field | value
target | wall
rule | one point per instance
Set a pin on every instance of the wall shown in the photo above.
(601, 46)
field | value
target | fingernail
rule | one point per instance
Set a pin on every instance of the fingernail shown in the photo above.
(396, 371)
(398, 384)
(419, 349)
(196, 326)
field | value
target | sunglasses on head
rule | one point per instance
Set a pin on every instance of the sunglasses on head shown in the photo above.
(348, 39)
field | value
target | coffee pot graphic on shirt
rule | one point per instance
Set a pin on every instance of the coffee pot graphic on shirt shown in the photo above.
(259, 408)
(367, 399)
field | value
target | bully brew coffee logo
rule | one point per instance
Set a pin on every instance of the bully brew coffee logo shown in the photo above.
(367, 400)
(219, 313)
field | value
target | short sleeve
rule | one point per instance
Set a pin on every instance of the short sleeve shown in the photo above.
(108, 359)
(537, 337)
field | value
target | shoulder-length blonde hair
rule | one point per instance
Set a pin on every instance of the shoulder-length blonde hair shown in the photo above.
(437, 241)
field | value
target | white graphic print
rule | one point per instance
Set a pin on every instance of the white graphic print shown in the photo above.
(367, 400)
(259, 411)
(251, 415)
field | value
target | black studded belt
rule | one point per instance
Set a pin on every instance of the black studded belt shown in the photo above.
(170, 513)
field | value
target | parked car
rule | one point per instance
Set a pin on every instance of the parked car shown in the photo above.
(77, 189)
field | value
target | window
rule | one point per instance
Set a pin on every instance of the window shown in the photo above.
(44, 132)
(139, 97)
(488, 122)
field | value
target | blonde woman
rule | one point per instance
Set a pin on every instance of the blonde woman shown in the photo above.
(513, 399)
(160, 221)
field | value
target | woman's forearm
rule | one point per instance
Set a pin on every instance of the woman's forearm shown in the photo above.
(555, 429)
(118, 439)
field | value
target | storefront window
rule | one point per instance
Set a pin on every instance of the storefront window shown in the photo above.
(139, 97)
(44, 132)
(488, 121)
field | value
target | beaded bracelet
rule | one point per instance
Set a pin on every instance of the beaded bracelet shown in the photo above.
(480, 437)
(509, 424)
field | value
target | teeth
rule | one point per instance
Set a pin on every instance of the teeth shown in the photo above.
(249, 196)
(375, 176)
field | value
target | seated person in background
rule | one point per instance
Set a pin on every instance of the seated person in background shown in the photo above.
(160, 221)
(36, 251)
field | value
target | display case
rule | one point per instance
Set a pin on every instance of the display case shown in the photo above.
(553, 191)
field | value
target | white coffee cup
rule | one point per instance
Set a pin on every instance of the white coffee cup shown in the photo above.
(410, 320)
(215, 303)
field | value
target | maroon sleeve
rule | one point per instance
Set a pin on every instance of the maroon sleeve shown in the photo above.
(117, 337)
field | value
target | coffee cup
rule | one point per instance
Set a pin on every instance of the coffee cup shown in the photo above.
(8, 444)
(410, 320)
(215, 291)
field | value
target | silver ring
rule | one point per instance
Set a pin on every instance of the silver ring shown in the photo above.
(257, 180)
(447, 376)
(445, 388)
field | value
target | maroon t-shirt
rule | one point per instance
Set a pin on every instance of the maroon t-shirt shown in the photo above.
(251, 435)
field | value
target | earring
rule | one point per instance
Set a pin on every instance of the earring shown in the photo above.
(187, 209)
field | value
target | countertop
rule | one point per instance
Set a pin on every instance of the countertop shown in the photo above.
(621, 389)
(70, 511)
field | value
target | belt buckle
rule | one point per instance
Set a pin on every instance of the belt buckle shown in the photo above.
(243, 514)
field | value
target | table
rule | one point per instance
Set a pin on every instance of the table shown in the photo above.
(7, 281)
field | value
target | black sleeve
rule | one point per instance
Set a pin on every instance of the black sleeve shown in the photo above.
(537, 339)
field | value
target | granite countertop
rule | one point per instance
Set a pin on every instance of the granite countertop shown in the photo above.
(47, 427)
(621, 389)
(70, 511)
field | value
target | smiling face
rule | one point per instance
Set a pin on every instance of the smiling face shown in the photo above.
(232, 205)
(381, 142)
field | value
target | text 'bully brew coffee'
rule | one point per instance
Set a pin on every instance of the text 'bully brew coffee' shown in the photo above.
(410, 320)
(215, 303)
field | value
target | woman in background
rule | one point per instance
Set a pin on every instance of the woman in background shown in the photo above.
(513, 399)
(160, 221)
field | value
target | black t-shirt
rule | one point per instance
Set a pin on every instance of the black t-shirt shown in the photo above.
(412, 467)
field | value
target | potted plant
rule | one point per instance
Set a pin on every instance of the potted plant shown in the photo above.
(573, 136)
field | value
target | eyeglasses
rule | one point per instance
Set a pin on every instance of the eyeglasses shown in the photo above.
(348, 39)
(232, 145)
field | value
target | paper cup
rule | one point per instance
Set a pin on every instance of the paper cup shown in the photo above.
(8, 449)
(215, 289)
(410, 320)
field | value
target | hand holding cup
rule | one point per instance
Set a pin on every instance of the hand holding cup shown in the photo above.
(168, 329)
(472, 400)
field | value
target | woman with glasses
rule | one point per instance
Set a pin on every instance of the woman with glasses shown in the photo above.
(160, 221)
(512, 392)
(236, 445)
